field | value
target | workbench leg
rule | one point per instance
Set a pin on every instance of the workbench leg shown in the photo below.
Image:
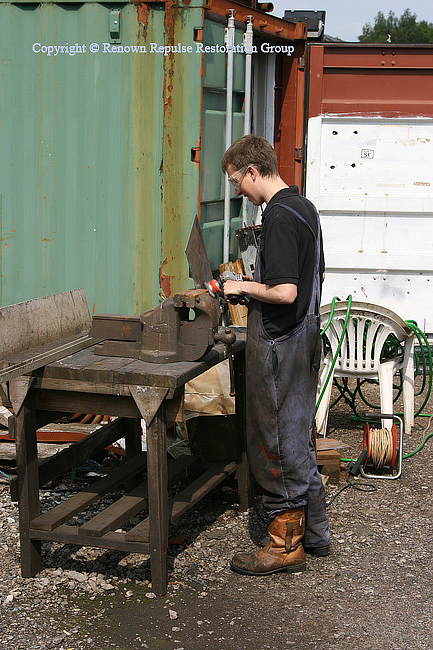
(28, 485)
(243, 470)
(158, 501)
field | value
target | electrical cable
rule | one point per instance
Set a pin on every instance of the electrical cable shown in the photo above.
(362, 487)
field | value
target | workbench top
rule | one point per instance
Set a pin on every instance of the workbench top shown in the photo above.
(88, 367)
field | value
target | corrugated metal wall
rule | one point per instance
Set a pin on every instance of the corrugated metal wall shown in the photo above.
(106, 156)
(81, 157)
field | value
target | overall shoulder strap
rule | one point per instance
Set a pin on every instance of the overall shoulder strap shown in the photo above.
(286, 207)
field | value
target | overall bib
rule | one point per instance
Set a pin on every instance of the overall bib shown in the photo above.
(281, 381)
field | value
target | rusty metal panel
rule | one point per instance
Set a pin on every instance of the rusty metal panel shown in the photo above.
(182, 87)
(289, 111)
(390, 80)
(81, 150)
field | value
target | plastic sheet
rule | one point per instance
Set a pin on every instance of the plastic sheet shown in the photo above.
(210, 393)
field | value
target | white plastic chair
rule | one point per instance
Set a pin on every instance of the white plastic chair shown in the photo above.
(368, 327)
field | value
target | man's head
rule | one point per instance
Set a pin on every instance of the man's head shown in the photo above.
(251, 150)
(251, 165)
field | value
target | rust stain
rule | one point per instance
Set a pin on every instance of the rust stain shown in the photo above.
(266, 454)
(275, 473)
(142, 14)
(165, 284)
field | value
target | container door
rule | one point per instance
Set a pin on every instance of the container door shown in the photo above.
(81, 152)
(370, 173)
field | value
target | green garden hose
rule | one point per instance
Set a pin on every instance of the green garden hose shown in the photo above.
(390, 349)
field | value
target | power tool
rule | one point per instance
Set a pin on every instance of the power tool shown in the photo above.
(215, 287)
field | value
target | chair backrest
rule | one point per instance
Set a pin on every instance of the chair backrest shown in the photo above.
(368, 327)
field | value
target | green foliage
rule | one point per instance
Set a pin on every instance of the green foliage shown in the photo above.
(405, 29)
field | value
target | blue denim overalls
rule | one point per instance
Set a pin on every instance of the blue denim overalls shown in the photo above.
(281, 377)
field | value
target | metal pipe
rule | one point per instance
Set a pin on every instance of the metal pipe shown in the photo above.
(229, 42)
(248, 49)
(265, 6)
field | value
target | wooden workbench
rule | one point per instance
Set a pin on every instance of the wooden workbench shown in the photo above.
(131, 390)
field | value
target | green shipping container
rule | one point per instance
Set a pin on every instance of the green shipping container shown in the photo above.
(109, 144)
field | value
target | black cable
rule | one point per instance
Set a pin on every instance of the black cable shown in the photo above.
(362, 487)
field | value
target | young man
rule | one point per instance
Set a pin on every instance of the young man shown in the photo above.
(282, 357)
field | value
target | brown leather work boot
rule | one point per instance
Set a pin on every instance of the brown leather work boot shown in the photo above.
(284, 552)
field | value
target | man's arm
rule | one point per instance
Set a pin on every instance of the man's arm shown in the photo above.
(283, 294)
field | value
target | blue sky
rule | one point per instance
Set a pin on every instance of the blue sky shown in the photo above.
(345, 19)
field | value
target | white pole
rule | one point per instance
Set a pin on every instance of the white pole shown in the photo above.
(229, 42)
(248, 48)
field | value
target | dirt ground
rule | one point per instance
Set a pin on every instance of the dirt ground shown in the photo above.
(374, 590)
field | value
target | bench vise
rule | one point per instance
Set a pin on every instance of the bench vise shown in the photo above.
(182, 328)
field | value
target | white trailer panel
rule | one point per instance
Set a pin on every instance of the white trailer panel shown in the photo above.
(371, 179)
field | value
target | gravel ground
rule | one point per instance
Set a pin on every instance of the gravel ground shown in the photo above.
(373, 590)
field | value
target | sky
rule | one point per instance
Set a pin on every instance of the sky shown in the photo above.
(345, 18)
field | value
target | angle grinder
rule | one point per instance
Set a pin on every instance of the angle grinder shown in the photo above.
(215, 287)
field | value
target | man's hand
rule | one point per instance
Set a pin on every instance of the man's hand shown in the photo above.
(283, 294)
(233, 288)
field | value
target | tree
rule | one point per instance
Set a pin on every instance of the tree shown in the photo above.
(405, 29)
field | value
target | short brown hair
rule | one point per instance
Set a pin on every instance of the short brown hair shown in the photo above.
(251, 150)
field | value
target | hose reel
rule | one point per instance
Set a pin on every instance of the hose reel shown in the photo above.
(383, 449)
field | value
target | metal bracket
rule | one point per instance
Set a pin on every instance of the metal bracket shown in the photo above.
(115, 18)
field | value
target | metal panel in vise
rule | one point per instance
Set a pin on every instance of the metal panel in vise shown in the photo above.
(182, 328)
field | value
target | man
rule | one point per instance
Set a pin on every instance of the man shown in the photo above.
(282, 357)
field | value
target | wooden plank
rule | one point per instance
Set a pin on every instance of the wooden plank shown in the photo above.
(187, 498)
(86, 366)
(246, 499)
(76, 402)
(83, 499)
(5, 416)
(27, 486)
(157, 478)
(69, 535)
(45, 450)
(197, 490)
(39, 357)
(329, 462)
(76, 385)
(18, 389)
(238, 313)
(66, 427)
(76, 453)
(174, 375)
(118, 513)
(38, 322)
